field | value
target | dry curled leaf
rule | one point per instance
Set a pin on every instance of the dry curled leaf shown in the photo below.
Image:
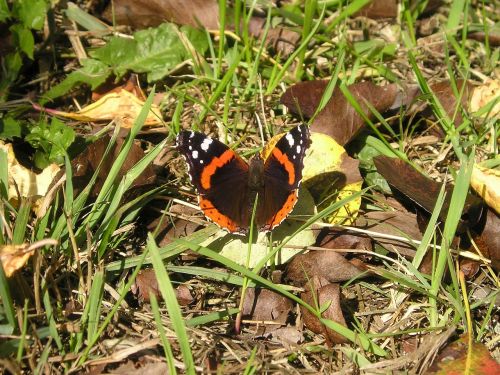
(338, 119)
(122, 106)
(424, 191)
(486, 182)
(141, 14)
(14, 257)
(488, 241)
(325, 264)
(383, 226)
(145, 284)
(328, 294)
(266, 308)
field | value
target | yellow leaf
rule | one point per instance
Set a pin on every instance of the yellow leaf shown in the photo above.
(14, 257)
(28, 183)
(483, 94)
(121, 105)
(331, 175)
(486, 182)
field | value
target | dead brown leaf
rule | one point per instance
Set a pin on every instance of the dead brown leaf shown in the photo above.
(87, 163)
(180, 223)
(324, 294)
(145, 284)
(392, 223)
(141, 14)
(488, 241)
(267, 308)
(326, 264)
(338, 119)
(424, 191)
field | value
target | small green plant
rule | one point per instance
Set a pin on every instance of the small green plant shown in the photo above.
(25, 17)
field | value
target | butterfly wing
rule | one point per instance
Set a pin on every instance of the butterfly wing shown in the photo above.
(220, 177)
(282, 176)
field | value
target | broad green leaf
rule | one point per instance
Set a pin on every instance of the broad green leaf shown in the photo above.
(10, 128)
(92, 72)
(154, 51)
(24, 39)
(372, 177)
(30, 12)
(51, 142)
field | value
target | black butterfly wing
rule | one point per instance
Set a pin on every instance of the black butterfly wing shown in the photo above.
(282, 176)
(220, 177)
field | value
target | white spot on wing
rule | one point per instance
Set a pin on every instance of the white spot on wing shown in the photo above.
(190, 147)
(298, 149)
(289, 138)
(206, 143)
(195, 154)
(201, 161)
(191, 135)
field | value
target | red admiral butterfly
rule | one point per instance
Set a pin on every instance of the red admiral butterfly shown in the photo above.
(227, 185)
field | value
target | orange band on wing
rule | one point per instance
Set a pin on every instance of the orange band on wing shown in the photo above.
(285, 162)
(216, 216)
(284, 211)
(217, 162)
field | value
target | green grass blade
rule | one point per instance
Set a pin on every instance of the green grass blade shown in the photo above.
(8, 305)
(169, 355)
(174, 311)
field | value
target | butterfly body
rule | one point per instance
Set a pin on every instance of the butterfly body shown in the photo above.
(228, 186)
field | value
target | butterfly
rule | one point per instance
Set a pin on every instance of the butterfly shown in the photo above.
(227, 185)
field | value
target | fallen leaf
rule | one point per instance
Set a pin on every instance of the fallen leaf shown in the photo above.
(328, 294)
(460, 358)
(331, 175)
(85, 165)
(379, 9)
(145, 284)
(338, 119)
(279, 38)
(488, 241)
(424, 191)
(28, 183)
(14, 257)
(141, 14)
(267, 308)
(392, 223)
(339, 238)
(444, 92)
(121, 106)
(486, 182)
(181, 222)
(326, 264)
